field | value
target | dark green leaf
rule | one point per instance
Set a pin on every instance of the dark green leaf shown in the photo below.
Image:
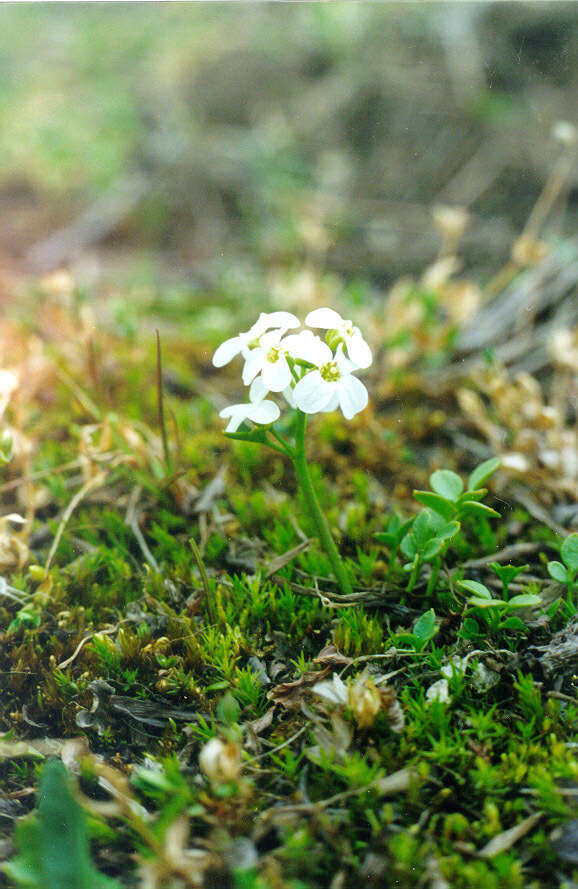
(425, 626)
(431, 549)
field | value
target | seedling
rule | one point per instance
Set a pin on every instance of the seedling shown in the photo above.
(568, 572)
(451, 502)
(314, 377)
(495, 613)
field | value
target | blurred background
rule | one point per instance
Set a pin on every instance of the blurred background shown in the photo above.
(207, 147)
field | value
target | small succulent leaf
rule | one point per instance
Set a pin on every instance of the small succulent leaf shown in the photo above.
(446, 483)
(472, 495)
(447, 531)
(425, 626)
(524, 600)
(421, 528)
(471, 507)
(558, 572)
(477, 602)
(482, 473)
(470, 628)
(512, 623)
(409, 546)
(436, 502)
(432, 549)
(472, 586)
(569, 551)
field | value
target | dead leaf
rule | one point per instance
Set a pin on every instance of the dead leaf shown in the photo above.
(508, 838)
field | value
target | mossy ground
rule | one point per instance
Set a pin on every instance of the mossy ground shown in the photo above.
(234, 640)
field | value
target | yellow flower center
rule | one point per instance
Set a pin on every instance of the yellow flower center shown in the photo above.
(330, 372)
(273, 354)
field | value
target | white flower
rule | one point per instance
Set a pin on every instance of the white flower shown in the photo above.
(330, 386)
(269, 359)
(220, 760)
(328, 319)
(245, 341)
(262, 412)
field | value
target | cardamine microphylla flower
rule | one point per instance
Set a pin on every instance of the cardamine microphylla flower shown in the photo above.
(328, 319)
(331, 385)
(314, 377)
(242, 343)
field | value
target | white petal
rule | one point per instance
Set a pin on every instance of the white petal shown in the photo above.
(359, 351)
(253, 365)
(280, 319)
(326, 318)
(307, 346)
(333, 404)
(237, 413)
(276, 374)
(288, 393)
(313, 393)
(263, 412)
(258, 390)
(227, 351)
(353, 396)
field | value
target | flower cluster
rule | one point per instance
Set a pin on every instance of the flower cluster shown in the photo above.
(314, 375)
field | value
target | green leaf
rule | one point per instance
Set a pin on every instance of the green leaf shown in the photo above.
(482, 473)
(436, 502)
(424, 628)
(476, 602)
(385, 538)
(512, 623)
(54, 849)
(558, 572)
(431, 549)
(569, 552)
(256, 436)
(421, 528)
(446, 483)
(524, 600)
(409, 546)
(470, 628)
(472, 495)
(472, 586)
(446, 532)
(470, 507)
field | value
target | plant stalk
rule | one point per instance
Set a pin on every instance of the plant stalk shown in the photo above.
(304, 479)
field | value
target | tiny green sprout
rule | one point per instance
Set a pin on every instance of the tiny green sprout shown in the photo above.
(567, 573)
(449, 499)
(392, 537)
(423, 631)
(427, 541)
(507, 573)
(495, 613)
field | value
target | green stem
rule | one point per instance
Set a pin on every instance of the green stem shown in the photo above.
(302, 472)
(413, 576)
(435, 571)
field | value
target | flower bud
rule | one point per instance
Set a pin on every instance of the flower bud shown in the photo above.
(220, 761)
(364, 701)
